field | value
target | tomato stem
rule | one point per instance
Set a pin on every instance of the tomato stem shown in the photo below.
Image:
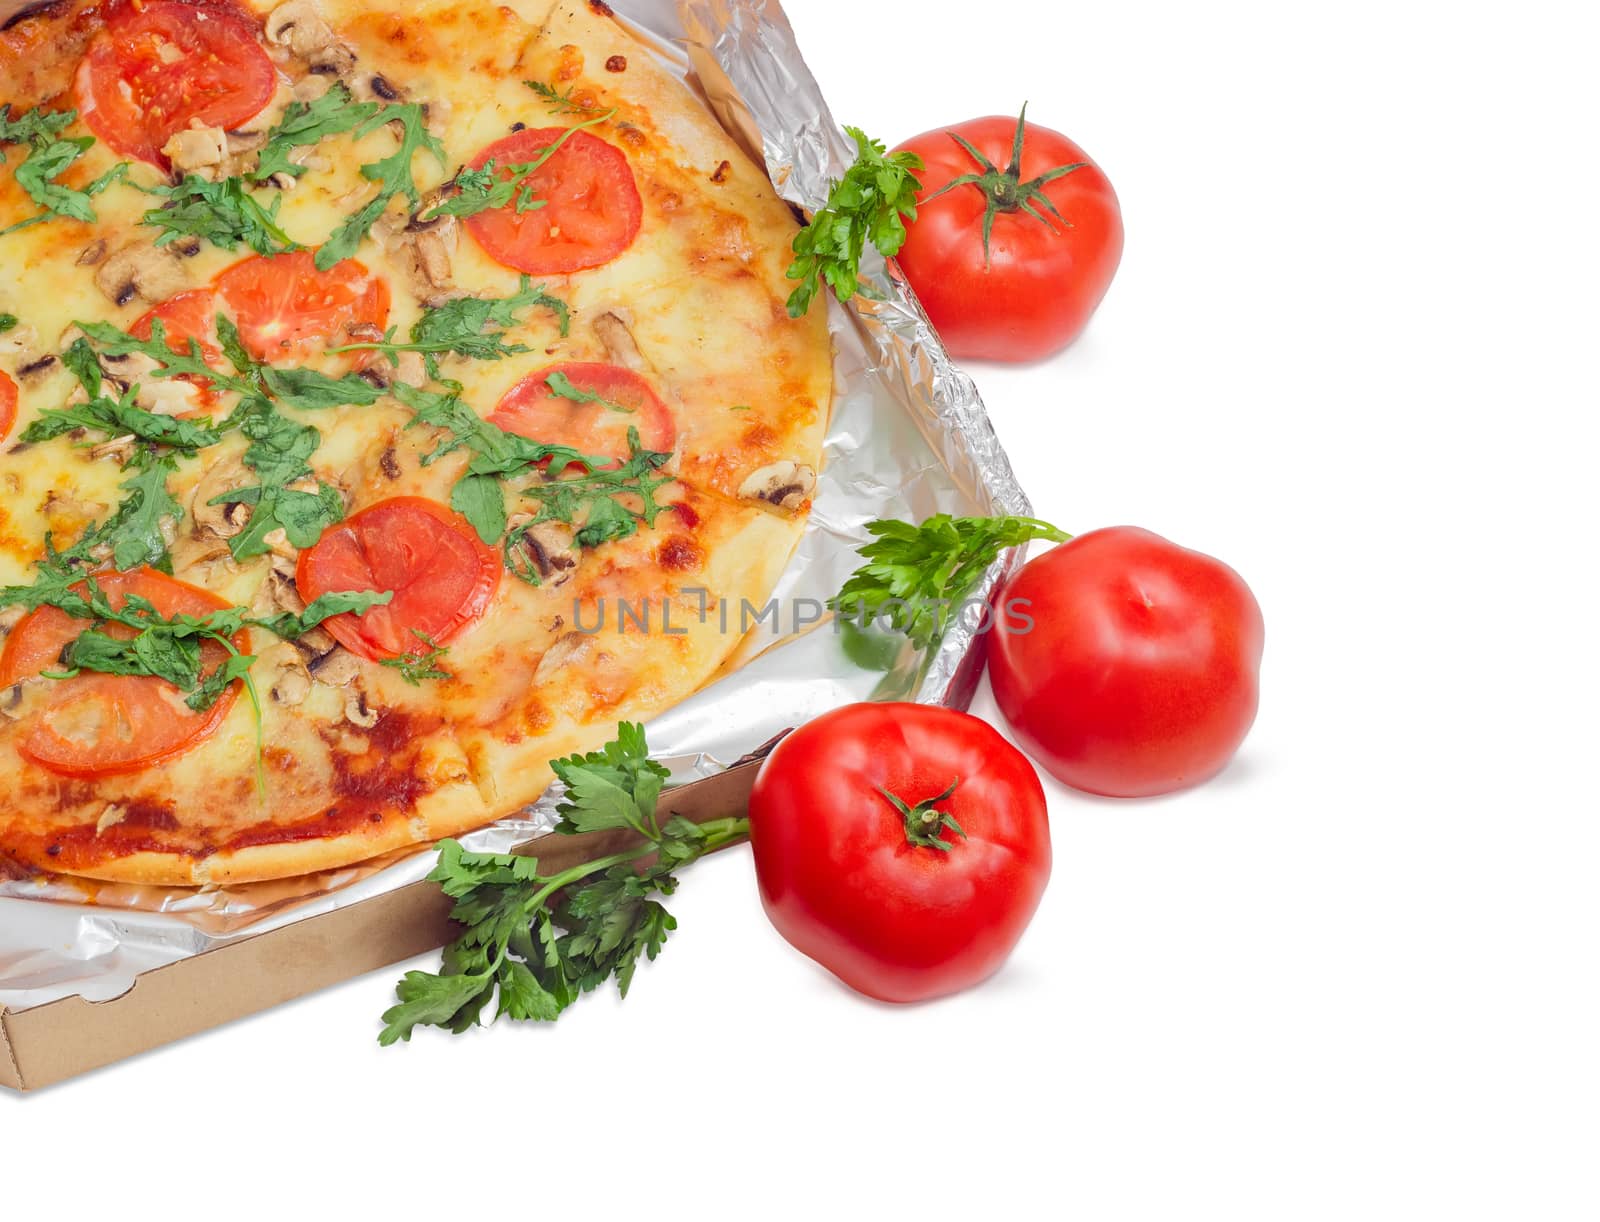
(924, 825)
(1004, 190)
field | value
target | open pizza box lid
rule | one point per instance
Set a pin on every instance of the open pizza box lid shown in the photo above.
(910, 438)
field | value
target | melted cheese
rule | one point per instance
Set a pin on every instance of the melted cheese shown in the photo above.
(376, 763)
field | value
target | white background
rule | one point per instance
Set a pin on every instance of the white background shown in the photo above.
(1351, 351)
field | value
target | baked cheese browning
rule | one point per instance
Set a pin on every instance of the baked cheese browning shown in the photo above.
(272, 334)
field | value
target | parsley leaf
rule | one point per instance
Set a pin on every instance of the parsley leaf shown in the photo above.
(49, 156)
(393, 174)
(8, 322)
(535, 943)
(919, 574)
(223, 213)
(471, 327)
(308, 123)
(867, 204)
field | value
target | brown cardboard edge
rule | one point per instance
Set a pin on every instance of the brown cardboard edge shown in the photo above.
(63, 1039)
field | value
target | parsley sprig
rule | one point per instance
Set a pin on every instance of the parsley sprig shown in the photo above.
(917, 575)
(533, 942)
(871, 203)
(50, 154)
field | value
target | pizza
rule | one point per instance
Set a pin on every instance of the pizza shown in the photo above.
(394, 397)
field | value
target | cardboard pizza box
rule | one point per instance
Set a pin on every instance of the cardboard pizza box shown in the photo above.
(61, 1039)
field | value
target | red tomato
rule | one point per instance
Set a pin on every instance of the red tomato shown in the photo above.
(100, 725)
(531, 409)
(284, 306)
(442, 576)
(591, 212)
(8, 404)
(159, 66)
(848, 875)
(191, 315)
(1138, 670)
(1026, 288)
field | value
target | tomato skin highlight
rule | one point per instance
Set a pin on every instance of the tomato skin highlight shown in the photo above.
(592, 208)
(1140, 674)
(442, 576)
(8, 404)
(285, 306)
(530, 409)
(159, 726)
(840, 881)
(1042, 282)
(159, 65)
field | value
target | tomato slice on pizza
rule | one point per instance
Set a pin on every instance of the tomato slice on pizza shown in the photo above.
(442, 576)
(586, 208)
(99, 724)
(191, 315)
(590, 406)
(285, 307)
(8, 404)
(157, 68)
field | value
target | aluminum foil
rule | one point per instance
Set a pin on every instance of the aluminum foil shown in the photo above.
(909, 438)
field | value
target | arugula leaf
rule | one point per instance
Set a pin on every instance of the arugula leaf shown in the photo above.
(415, 667)
(323, 607)
(115, 417)
(561, 101)
(393, 174)
(224, 213)
(471, 327)
(483, 189)
(176, 364)
(922, 573)
(49, 156)
(132, 536)
(561, 386)
(309, 390)
(587, 500)
(867, 204)
(496, 454)
(278, 453)
(308, 123)
(512, 948)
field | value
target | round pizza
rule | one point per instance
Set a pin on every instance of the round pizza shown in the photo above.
(391, 397)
